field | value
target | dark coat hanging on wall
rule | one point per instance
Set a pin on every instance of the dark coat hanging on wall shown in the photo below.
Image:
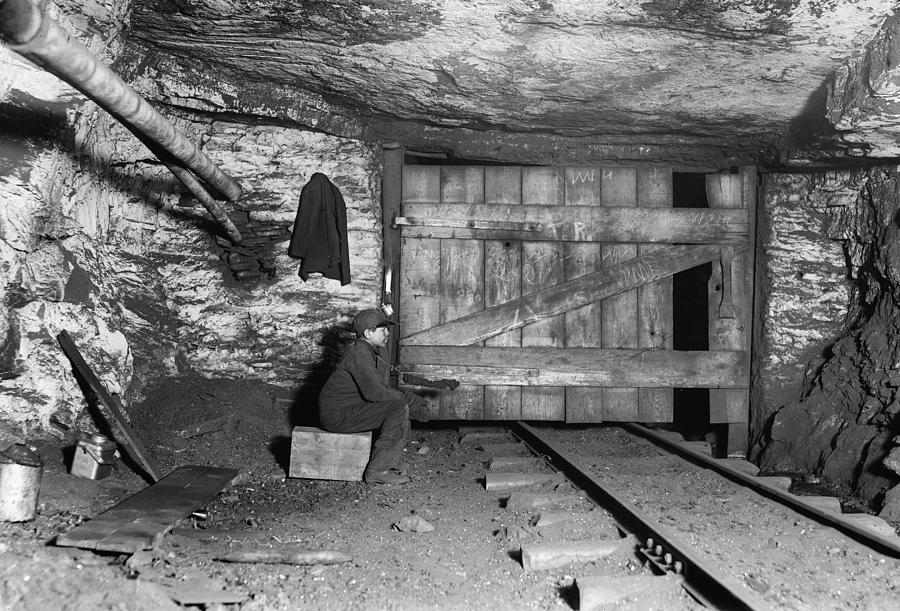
(320, 231)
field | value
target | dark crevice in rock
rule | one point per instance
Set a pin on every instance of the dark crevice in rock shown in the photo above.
(839, 426)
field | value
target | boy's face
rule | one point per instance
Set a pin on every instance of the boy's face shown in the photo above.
(377, 337)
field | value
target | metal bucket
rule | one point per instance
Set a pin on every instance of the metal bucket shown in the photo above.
(20, 482)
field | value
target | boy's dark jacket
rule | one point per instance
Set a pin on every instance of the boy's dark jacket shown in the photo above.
(361, 376)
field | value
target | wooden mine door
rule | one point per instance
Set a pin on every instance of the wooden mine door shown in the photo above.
(547, 291)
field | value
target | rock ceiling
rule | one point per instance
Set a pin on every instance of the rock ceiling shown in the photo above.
(548, 80)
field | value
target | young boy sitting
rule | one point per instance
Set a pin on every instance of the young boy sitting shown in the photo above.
(357, 397)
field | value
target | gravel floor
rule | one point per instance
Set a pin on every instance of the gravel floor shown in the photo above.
(441, 542)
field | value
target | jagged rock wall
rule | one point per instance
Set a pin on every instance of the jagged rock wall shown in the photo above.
(539, 82)
(864, 96)
(802, 284)
(829, 351)
(42, 224)
(97, 238)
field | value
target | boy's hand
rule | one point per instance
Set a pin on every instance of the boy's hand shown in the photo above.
(416, 403)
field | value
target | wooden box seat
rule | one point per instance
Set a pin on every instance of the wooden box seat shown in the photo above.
(318, 454)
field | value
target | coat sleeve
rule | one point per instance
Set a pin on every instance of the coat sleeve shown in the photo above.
(361, 368)
(343, 246)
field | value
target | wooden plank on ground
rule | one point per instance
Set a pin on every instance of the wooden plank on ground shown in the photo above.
(502, 283)
(535, 366)
(583, 403)
(655, 324)
(566, 296)
(542, 268)
(462, 283)
(420, 260)
(133, 445)
(136, 523)
(576, 223)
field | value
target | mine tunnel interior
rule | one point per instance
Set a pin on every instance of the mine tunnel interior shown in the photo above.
(593, 218)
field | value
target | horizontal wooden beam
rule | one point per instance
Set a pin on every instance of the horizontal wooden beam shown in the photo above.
(578, 366)
(572, 223)
(566, 296)
(486, 227)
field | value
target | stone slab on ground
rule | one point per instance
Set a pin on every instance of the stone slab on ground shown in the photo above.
(823, 503)
(505, 481)
(779, 482)
(515, 463)
(872, 523)
(741, 465)
(596, 591)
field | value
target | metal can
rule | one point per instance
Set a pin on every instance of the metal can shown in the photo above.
(20, 482)
(94, 457)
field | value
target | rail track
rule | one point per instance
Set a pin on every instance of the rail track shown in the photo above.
(713, 571)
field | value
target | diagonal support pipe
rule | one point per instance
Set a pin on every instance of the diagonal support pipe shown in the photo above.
(41, 40)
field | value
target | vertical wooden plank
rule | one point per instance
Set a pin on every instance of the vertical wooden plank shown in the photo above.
(542, 267)
(619, 313)
(391, 198)
(543, 186)
(583, 404)
(420, 263)
(503, 282)
(462, 282)
(503, 185)
(655, 325)
(739, 412)
(421, 183)
(462, 184)
(462, 292)
(420, 281)
(729, 329)
(740, 446)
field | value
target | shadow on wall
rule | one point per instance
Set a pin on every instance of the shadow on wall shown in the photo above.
(27, 120)
(303, 410)
(334, 341)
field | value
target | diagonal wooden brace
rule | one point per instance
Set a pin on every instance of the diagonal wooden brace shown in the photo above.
(567, 296)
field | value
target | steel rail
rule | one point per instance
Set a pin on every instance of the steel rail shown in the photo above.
(862, 535)
(39, 39)
(703, 582)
